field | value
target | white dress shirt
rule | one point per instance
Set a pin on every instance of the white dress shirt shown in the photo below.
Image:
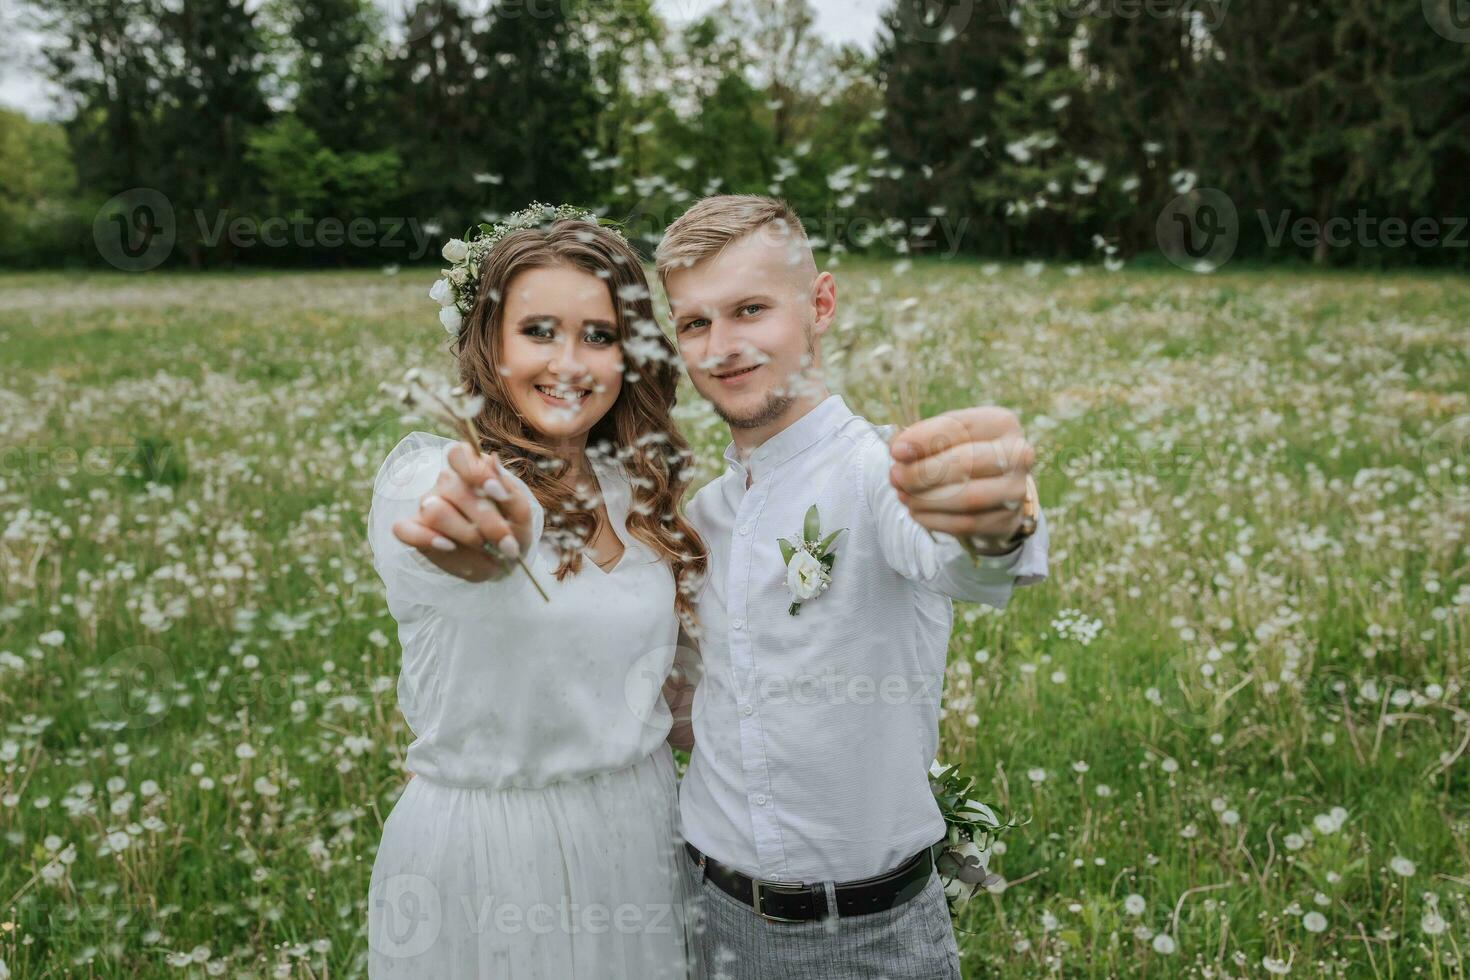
(814, 733)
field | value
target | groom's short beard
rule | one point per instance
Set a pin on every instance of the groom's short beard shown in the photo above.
(775, 406)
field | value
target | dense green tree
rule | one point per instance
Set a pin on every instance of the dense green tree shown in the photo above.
(332, 69)
(105, 56)
(942, 74)
(1027, 127)
(41, 218)
(494, 108)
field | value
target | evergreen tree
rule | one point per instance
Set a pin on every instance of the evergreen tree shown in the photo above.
(940, 122)
(104, 55)
(210, 97)
(334, 69)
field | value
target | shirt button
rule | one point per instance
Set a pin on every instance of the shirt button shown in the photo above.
(760, 798)
(745, 530)
(737, 624)
(747, 710)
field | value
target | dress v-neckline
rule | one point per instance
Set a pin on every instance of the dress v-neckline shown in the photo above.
(611, 523)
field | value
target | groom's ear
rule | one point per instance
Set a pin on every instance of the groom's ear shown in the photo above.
(824, 302)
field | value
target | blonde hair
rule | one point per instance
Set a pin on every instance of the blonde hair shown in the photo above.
(706, 229)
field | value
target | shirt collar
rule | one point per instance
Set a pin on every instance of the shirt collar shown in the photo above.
(822, 420)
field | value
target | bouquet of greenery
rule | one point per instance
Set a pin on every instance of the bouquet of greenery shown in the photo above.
(972, 828)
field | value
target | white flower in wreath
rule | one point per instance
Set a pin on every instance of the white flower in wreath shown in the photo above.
(809, 559)
(442, 293)
(451, 319)
(455, 250)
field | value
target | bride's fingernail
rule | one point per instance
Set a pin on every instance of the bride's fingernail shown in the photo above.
(484, 506)
(495, 491)
(442, 543)
(430, 499)
(509, 547)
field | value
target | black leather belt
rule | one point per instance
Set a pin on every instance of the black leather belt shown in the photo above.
(788, 901)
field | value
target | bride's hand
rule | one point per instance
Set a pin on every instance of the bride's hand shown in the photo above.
(469, 506)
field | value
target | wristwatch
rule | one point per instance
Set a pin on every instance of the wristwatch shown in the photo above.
(1030, 511)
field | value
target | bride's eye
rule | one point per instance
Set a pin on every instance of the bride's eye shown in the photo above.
(540, 330)
(600, 338)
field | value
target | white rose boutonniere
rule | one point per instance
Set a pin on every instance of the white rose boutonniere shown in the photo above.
(809, 559)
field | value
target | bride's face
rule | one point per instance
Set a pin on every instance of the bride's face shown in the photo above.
(560, 356)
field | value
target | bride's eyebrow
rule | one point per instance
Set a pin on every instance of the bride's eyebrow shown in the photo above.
(555, 321)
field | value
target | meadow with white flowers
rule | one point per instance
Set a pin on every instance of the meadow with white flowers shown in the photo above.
(1234, 717)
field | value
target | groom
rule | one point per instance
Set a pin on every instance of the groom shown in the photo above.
(816, 715)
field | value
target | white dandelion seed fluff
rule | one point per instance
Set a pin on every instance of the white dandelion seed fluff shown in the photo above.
(1315, 922)
(1402, 866)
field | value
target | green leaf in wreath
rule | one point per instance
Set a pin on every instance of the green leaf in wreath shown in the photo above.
(787, 551)
(812, 529)
(795, 608)
(825, 547)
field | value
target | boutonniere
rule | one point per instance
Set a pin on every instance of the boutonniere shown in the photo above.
(809, 560)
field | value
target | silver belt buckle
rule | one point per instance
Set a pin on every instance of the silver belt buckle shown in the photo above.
(755, 895)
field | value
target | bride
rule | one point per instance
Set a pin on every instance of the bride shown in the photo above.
(539, 838)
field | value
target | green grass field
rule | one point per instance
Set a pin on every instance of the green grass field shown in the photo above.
(1235, 715)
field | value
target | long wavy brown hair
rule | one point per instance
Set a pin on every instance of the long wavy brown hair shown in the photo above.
(638, 430)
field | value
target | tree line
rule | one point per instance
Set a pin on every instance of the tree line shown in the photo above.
(1057, 129)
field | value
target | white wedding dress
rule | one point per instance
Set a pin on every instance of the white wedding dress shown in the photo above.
(539, 837)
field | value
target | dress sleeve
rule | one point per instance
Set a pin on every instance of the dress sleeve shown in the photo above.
(408, 473)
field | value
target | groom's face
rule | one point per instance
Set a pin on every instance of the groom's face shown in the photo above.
(747, 322)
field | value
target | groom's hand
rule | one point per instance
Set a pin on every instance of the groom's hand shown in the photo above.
(964, 473)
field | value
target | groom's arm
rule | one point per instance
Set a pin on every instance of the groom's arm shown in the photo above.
(679, 689)
(959, 474)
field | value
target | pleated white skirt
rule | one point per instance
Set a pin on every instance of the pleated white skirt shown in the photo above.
(578, 880)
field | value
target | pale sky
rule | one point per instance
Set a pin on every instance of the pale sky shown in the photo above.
(21, 86)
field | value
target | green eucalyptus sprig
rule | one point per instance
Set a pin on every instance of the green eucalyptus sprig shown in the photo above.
(971, 830)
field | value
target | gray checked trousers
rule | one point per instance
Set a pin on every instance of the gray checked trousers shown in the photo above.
(914, 941)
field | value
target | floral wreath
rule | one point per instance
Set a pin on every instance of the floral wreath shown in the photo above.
(455, 293)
